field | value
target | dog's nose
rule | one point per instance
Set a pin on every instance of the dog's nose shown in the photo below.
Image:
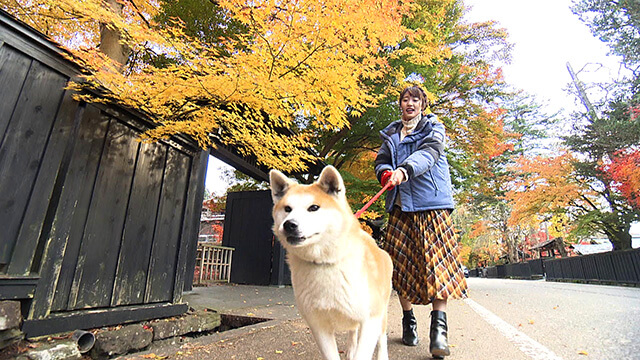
(290, 226)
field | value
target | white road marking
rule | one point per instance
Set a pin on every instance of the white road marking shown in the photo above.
(527, 345)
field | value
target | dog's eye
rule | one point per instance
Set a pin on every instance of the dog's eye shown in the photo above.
(313, 208)
(287, 208)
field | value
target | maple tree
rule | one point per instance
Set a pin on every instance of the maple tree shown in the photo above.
(461, 83)
(215, 204)
(459, 79)
(479, 240)
(429, 22)
(624, 171)
(549, 189)
(361, 185)
(524, 125)
(299, 64)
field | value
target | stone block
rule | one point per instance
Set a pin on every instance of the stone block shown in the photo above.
(200, 321)
(129, 338)
(62, 350)
(10, 315)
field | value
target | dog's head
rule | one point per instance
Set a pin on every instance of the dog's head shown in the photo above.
(305, 215)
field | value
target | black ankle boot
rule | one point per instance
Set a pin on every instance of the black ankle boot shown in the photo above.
(439, 347)
(409, 328)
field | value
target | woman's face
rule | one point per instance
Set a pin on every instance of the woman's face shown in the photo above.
(411, 106)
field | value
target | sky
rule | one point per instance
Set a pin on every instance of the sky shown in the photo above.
(546, 35)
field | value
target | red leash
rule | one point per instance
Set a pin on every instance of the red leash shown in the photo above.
(373, 199)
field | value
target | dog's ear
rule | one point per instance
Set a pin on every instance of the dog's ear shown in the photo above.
(331, 181)
(279, 184)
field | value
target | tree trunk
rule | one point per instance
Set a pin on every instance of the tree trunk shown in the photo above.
(621, 240)
(512, 249)
(558, 243)
(110, 43)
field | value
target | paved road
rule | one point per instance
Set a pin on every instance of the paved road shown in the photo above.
(568, 319)
(502, 319)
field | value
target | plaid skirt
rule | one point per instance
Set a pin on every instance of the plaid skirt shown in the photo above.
(424, 250)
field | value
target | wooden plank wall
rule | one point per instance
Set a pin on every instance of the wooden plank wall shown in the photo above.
(258, 258)
(32, 141)
(90, 218)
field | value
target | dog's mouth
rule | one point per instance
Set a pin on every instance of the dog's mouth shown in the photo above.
(297, 240)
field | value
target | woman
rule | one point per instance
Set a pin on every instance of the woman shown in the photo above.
(420, 236)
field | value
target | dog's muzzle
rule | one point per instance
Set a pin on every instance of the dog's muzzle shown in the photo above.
(292, 233)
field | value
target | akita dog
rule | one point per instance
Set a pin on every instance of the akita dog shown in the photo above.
(341, 278)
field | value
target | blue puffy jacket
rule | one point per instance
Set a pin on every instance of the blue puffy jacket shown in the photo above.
(421, 154)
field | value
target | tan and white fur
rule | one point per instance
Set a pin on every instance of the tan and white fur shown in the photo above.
(341, 279)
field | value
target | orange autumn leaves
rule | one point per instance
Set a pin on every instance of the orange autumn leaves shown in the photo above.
(624, 170)
(546, 188)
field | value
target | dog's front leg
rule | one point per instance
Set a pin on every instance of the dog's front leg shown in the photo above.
(326, 341)
(383, 351)
(352, 344)
(370, 332)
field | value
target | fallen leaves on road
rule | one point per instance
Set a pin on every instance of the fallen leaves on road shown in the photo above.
(154, 356)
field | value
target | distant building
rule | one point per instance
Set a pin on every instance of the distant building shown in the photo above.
(592, 246)
(211, 227)
(635, 235)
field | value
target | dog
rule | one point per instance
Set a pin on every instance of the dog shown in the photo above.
(341, 279)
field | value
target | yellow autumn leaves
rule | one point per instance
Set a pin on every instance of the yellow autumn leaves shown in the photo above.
(308, 63)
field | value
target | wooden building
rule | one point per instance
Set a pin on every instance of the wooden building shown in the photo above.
(97, 228)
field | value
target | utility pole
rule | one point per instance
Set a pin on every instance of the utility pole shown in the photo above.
(582, 94)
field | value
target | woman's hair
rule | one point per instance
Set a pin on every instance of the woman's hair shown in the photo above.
(415, 91)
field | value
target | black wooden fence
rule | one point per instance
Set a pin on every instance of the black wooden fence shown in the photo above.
(619, 267)
(96, 228)
(614, 267)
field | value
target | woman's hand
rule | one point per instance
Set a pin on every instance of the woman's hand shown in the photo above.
(392, 177)
(397, 177)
